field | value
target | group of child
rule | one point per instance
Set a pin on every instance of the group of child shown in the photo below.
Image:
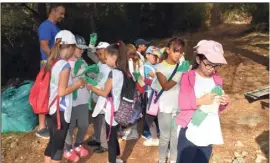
(187, 107)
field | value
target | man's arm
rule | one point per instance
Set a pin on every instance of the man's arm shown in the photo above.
(44, 45)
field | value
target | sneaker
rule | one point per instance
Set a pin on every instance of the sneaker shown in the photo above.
(43, 133)
(151, 142)
(118, 160)
(93, 143)
(71, 155)
(146, 135)
(100, 150)
(81, 151)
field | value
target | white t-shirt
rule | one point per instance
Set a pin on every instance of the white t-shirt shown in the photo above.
(209, 131)
(65, 101)
(168, 101)
(83, 93)
(117, 84)
(104, 71)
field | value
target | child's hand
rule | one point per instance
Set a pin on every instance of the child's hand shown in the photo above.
(207, 99)
(89, 87)
(80, 83)
(224, 100)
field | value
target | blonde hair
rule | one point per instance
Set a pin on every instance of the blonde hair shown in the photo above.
(132, 53)
(55, 53)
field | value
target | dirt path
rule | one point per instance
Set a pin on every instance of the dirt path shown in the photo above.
(245, 126)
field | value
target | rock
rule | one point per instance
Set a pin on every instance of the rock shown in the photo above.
(244, 154)
(239, 144)
(13, 144)
(260, 158)
(237, 154)
(228, 160)
(239, 160)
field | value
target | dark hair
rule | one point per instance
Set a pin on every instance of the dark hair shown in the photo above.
(119, 49)
(55, 6)
(173, 42)
(195, 64)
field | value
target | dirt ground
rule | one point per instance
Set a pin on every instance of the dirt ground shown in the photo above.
(245, 125)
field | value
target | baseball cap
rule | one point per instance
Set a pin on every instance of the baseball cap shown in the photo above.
(80, 42)
(141, 42)
(102, 45)
(66, 37)
(153, 50)
(212, 50)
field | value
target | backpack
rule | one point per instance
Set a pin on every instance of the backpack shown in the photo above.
(129, 110)
(40, 93)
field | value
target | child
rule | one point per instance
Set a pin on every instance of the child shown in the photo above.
(60, 86)
(199, 116)
(141, 46)
(79, 116)
(98, 113)
(134, 65)
(152, 56)
(168, 105)
(116, 58)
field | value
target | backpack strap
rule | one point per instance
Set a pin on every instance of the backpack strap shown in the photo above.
(170, 78)
(57, 100)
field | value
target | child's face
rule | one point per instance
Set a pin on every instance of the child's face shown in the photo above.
(142, 48)
(153, 59)
(69, 52)
(101, 55)
(78, 52)
(110, 59)
(206, 67)
(175, 53)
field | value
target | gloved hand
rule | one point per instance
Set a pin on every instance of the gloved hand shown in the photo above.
(91, 81)
(177, 77)
(217, 90)
(93, 39)
(92, 68)
(136, 75)
(184, 67)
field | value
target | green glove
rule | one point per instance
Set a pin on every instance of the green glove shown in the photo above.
(92, 68)
(198, 117)
(90, 102)
(75, 94)
(184, 67)
(217, 90)
(93, 39)
(136, 75)
(90, 81)
(78, 65)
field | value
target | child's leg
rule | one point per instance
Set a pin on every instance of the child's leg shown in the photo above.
(48, 149)
(72, 126)
(83, 118)
(186, 150)
(173, 140)
(103, 141)
(59, 137)
(164, 124)
(113, 146)
(152, 125)
(203, 154)
(97, 127)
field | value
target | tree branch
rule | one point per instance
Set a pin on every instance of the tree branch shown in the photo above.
(34, 12)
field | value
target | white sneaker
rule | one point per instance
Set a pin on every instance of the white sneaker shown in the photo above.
(118, 160)
(151, 142)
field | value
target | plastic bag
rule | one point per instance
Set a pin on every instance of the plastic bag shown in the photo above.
(17, 114)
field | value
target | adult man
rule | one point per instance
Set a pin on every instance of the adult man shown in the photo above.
(46, 33)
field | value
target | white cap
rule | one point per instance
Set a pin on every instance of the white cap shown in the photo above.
(102, 45)
(66, 37)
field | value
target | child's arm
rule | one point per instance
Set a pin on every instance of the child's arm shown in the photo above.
(102, 92)
(63, 88)
(166, 85)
